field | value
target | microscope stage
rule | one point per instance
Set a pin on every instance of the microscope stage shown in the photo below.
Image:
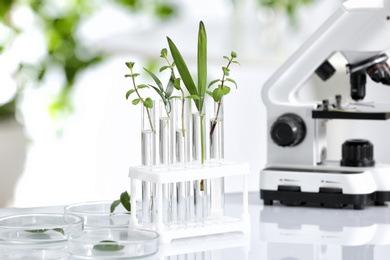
(342, 114)
(357, 111)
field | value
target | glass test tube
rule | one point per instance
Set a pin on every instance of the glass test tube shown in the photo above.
(182, 114)
(148, 154)
(166, 155)
(199, 156)
(217, 189)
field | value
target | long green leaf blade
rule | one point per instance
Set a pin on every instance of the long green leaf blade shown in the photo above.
(202, 63)
(170, 86)
(156, 79)
(160, 93)
(183, 69)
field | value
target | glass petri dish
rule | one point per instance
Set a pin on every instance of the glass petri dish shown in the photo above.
(113, 243)
(57, 251)
(96, 214)
(34, 229)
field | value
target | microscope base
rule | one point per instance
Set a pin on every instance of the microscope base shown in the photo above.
(331, 200)
(325, 185)
(381, 197)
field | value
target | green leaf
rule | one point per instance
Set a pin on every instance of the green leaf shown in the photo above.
(132, 75)
(160, 93)
(225, 71)
(164, 53)
(164, 68)
(59, 230)
(170, 86)
(225, 90)
(130, 65)
(177, 84)
(142, 86)
(43, 230)
(37, 231)
(202, 63)
(108, 245)
(183, 69)
(176, 97)
(218, 94)
(128, 93)
(233, 54)
(210, 93)
(213, 82)
(114, 204)
(125, 199)
(148, 103)
(41, 73)
(136, 101)
(164, 10)
(156, 79)
(236, 62)
(232, 81)
(226, 57)
(195, 97)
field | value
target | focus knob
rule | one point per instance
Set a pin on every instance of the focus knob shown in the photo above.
(357, 153)
(288, 130)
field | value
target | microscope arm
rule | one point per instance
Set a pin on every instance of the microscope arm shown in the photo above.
(359, 29)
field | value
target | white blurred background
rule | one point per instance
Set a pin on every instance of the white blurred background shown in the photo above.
(89, 159)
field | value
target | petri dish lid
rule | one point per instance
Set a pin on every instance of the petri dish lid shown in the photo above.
(36, 229)
(96, 214)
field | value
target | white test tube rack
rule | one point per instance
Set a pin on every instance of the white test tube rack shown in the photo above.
(192, 228)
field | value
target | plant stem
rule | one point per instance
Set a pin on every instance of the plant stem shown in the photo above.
(150, 119)
(202, 139)
(202, 145)
(182, 112)
(215, 121)
(182, 98)
(142, 101)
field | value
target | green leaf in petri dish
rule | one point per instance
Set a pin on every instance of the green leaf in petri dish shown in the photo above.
(108, 246)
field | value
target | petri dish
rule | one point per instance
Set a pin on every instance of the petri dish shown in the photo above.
(96, 214)
(57, 251)
(35, 229)
(113, 243)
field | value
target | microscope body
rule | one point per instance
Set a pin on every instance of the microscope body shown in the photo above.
(297, 171)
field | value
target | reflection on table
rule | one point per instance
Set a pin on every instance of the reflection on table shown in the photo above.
(323, 233)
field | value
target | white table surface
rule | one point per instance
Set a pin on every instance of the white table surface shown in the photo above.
(279, 233)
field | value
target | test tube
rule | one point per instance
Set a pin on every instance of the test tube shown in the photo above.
(148, 156)
(217, 189)
(166, 157)
(200, 154)
(182, 115)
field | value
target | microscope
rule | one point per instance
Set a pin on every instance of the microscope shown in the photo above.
(297, 170)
